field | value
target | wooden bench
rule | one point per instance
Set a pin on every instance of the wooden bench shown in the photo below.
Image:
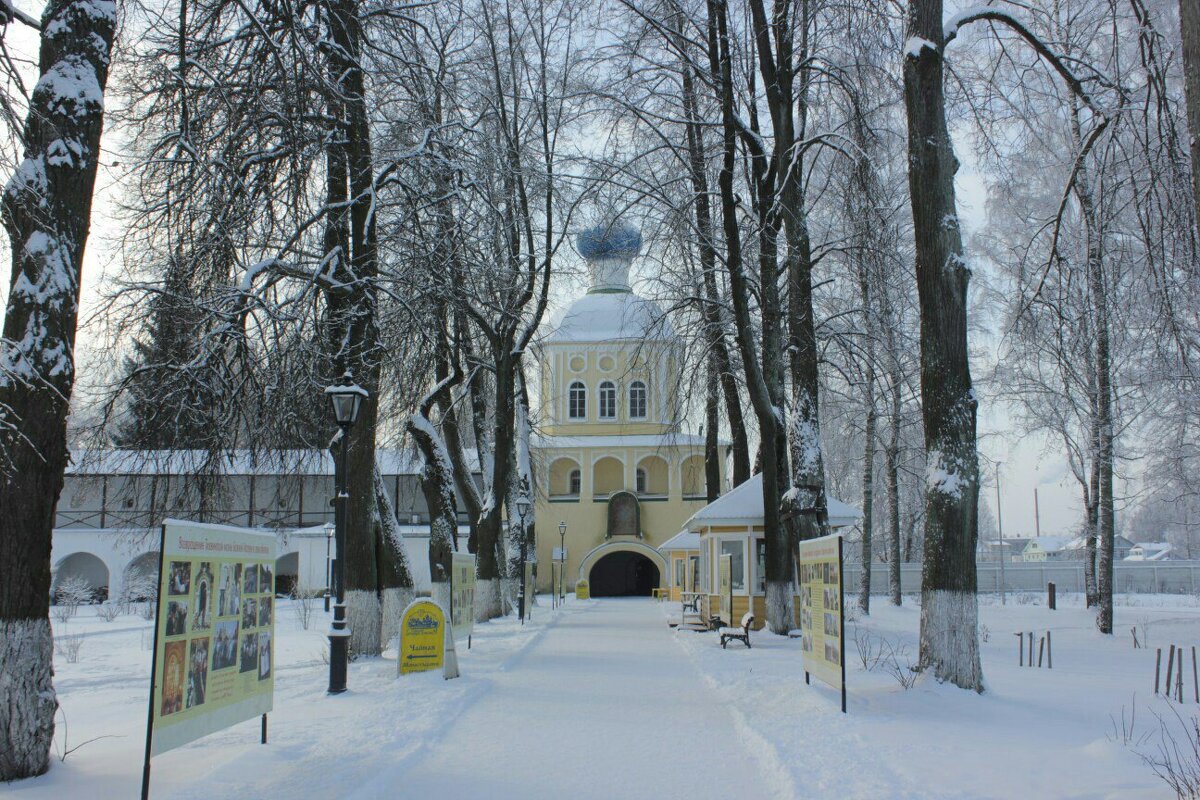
(742, 634)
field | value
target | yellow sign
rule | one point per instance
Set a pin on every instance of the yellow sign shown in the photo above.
(820, 568)
(725, 589)
(462, 595)
(422, 637)
(581, 591)
(215, 631)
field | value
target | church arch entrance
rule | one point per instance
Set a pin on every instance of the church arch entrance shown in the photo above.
(623, 573)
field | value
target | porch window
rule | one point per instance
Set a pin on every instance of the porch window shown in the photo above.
(737, 564)
(760, 564)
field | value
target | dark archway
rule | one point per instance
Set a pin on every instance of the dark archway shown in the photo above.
(623, 574)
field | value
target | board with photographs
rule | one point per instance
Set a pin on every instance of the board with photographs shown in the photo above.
(214, 640)
(462, 595)
(823, 645)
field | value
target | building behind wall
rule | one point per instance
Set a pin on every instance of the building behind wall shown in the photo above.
(112, 503)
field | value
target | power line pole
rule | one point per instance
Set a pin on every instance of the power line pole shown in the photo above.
(1000, 530)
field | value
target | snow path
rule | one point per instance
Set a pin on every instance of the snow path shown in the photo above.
(605, 704)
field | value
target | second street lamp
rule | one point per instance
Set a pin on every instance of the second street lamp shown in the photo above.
(523, 506)
(562, 561)
(346, 398)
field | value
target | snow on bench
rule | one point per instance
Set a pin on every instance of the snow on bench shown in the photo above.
(742, 634)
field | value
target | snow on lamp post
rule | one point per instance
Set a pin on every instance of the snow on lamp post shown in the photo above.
(329, 529)
(562, 561)
(523, 506)
(346, 398)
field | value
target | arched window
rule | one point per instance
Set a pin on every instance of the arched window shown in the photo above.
(637, 400)
(577, 401)
(608, 400)
(641, 480)
(575, 481)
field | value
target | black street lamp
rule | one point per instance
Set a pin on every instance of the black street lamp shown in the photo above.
(346, 398)
(329, 528)
(523, 506)
(562, 562)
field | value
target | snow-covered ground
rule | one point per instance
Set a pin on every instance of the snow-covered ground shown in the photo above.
(1035, 733)
(602, 699)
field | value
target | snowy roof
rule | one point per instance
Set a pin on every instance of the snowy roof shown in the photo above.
(232, 462)
(684, 540)
(616, 440)
(1150, 551)
(612, 317)
(1052, 544)
(744, 506)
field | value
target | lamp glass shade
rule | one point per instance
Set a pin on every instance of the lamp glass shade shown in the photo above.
(345, 406)
(523, 505)
(562, 529)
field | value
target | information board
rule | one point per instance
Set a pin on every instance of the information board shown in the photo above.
(215, 632)
(823, 650)
(462, 595)
(725, 589)
(582, 592)
(422, 637)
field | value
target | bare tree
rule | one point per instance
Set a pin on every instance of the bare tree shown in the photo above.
(1189, 28)
(949, 616)
(46, 213)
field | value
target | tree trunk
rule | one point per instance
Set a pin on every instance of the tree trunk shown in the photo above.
(490, 551)
(46, 212)
(949, 640)
(437, 484)
(762, 380)
(712, 422)
(395, 576)
(1092, 521)
(868, 495)
(1102, 441)
(521, 546)
(892, 460)
(1189, 28)
(368, 580)
(714, 318)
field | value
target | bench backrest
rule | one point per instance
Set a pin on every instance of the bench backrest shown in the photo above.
(747, 620)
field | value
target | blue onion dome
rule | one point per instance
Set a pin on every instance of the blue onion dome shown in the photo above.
(615, 240)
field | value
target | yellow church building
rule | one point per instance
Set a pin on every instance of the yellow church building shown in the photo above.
(611, 460)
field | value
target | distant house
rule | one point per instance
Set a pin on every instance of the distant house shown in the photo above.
(1076, 549)
(992, 550)
(1150, 551)
(1046, 548)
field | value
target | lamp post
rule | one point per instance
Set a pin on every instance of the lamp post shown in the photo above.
(346, 398)
(1000, 532)
(562, 561)
(329, 529)
(523, 505)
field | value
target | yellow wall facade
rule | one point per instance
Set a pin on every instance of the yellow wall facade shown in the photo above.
(621, 363)
(586, 515)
